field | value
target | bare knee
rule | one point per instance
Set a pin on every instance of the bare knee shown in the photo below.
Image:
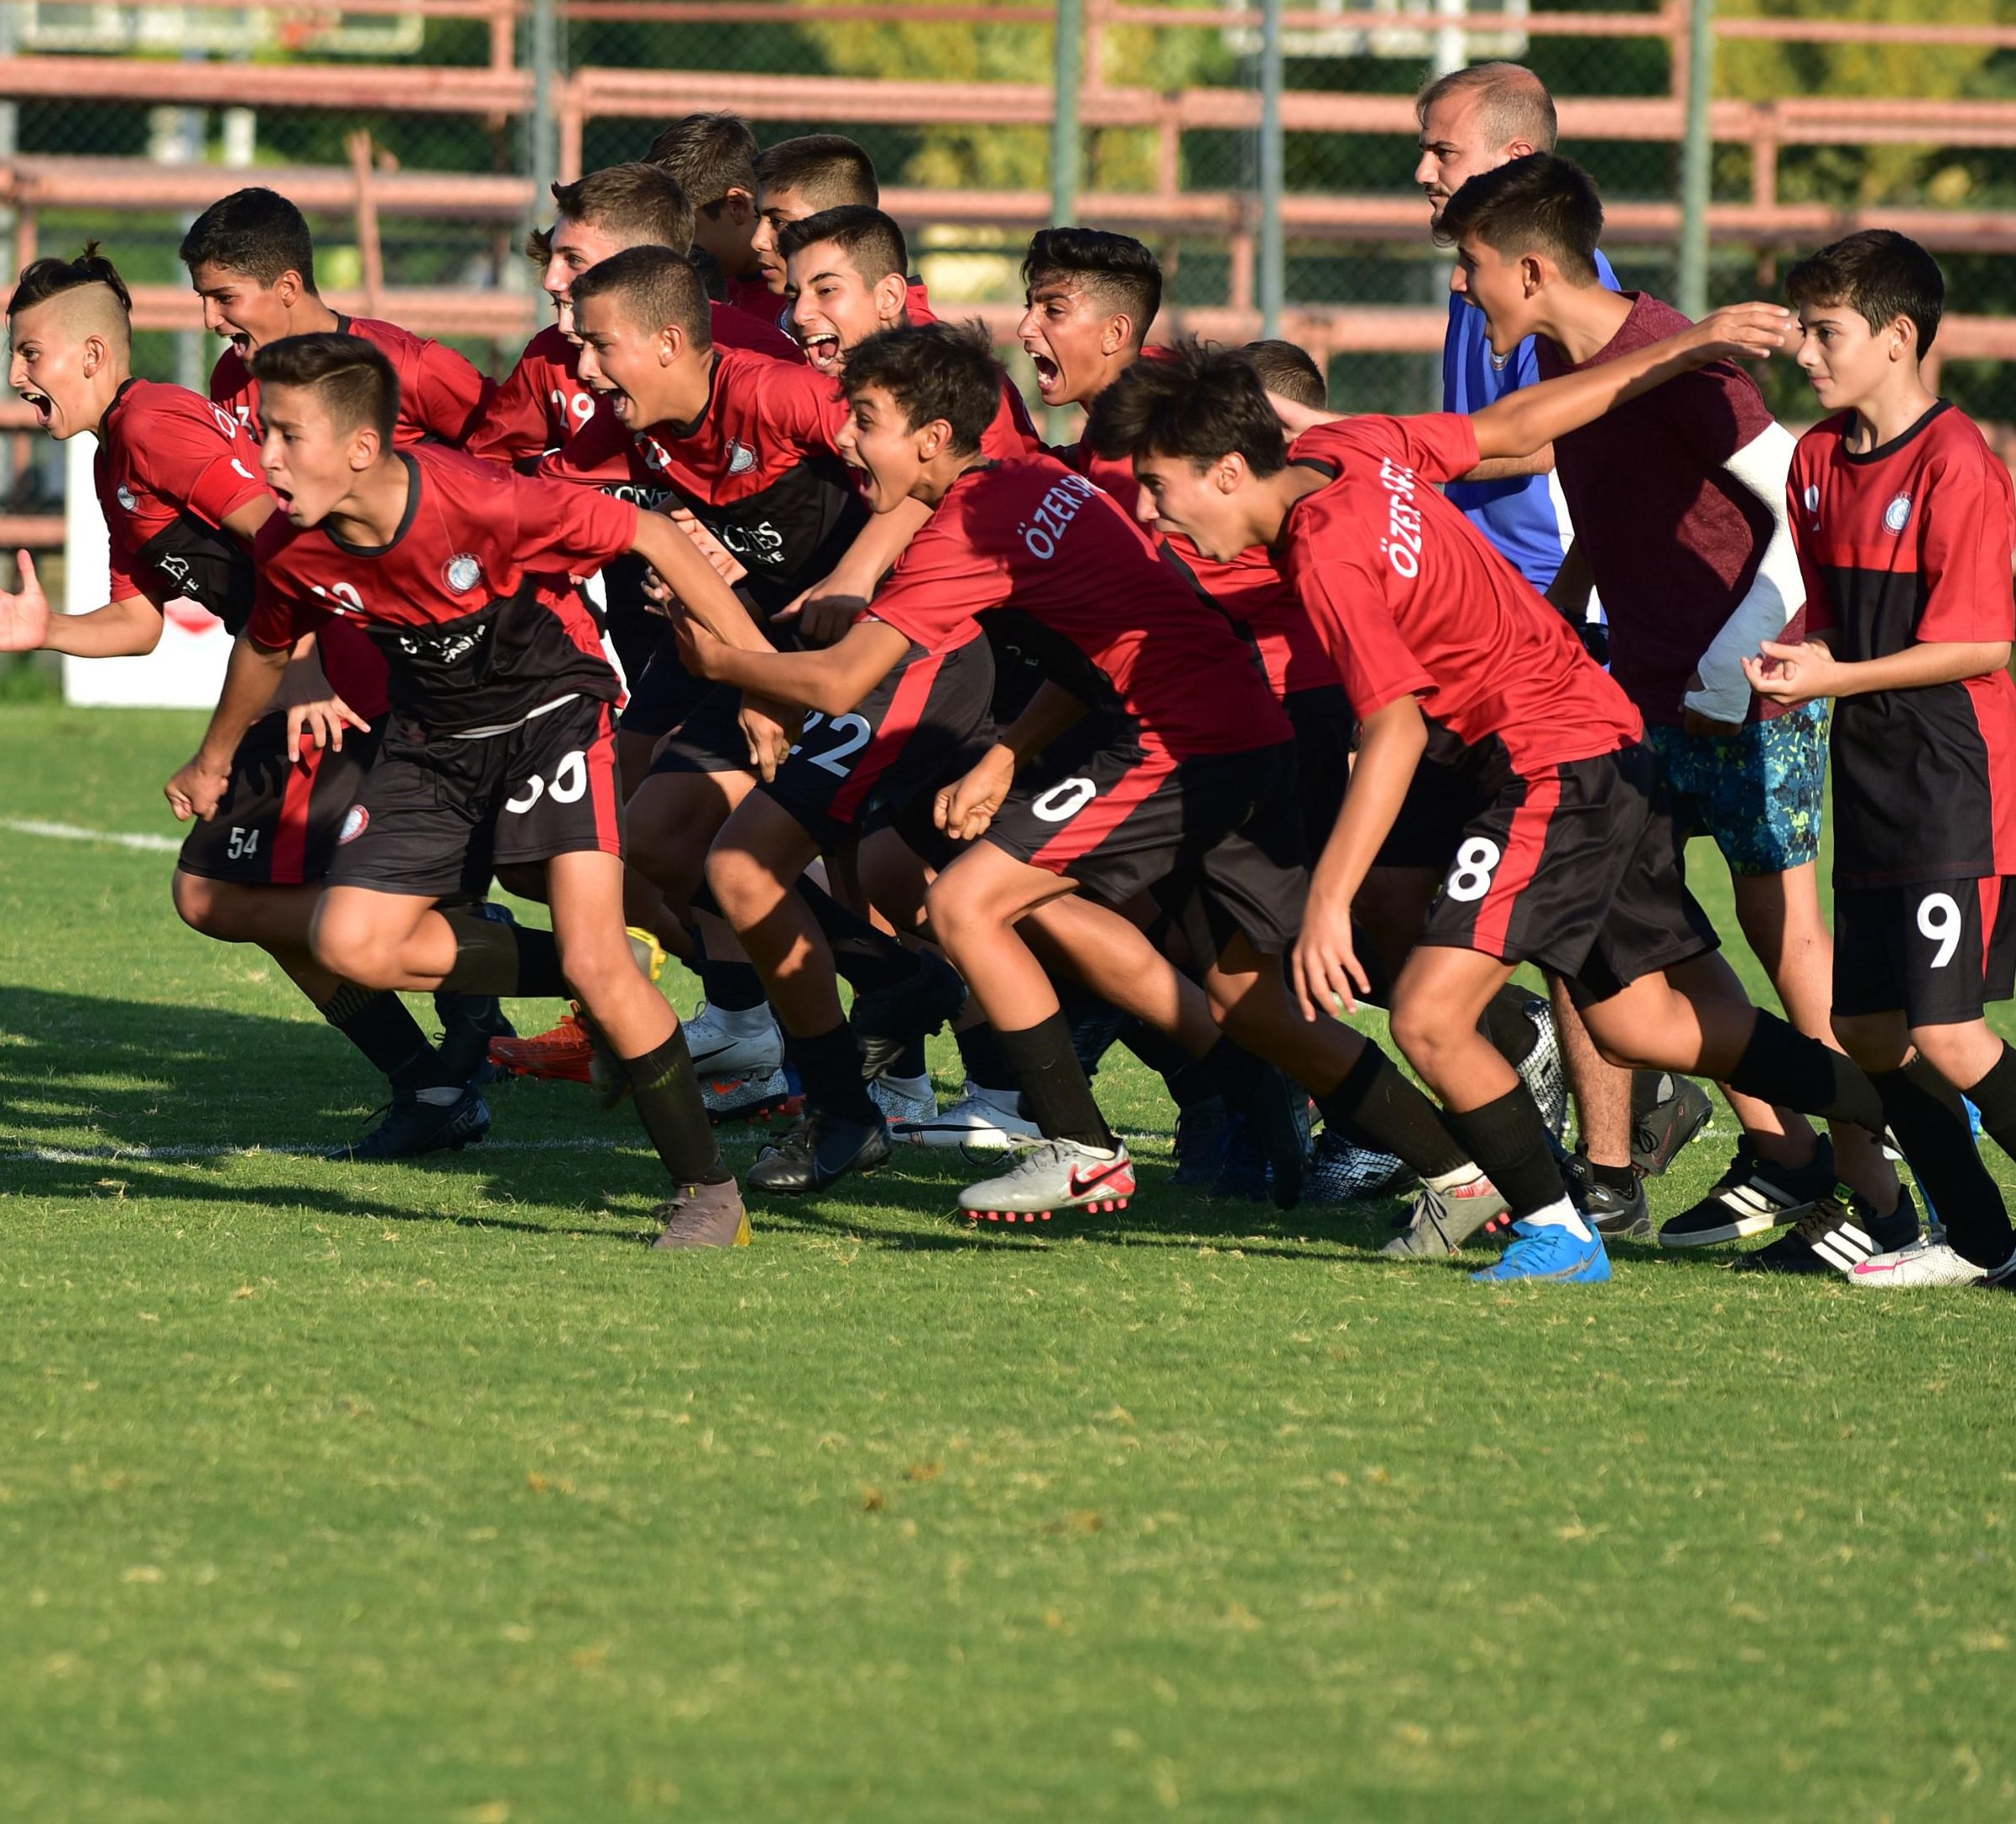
(743, 887)
(196, 902)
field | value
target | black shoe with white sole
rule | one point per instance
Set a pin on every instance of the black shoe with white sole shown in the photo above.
(1839, 1233)
(1752, 1197)
(1616, 1215)
(1673, 1119)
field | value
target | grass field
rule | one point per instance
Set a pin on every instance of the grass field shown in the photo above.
(430, 1493)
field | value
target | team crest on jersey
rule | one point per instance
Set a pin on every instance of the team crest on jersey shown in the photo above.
(462, 573)
(741, 457)
(356, 820)
(1896, 513)
(127, 500)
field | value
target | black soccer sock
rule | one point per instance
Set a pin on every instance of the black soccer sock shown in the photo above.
(1506, 1025)
(911, 1061)
(1054, 1088)
(1995, 1096)
(494, 958)
(980, 1056)
(376, 1021)
(1375, 1107)
(667, 1095)
(1618, 1178)
(1931, 1126)
(734, 987)
(867, 960)
(1788, 1068)
(1508, 1139)
(1190, 1080)
(829, 1065)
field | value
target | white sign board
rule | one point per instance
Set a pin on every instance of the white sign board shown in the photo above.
(186, 671)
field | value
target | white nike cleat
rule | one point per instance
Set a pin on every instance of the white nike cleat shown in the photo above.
(1927, 1263)
(985, 1119)
(1053, 1175)
(726, 1045)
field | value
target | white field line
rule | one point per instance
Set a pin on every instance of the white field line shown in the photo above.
(141, 1155)
(71, 832)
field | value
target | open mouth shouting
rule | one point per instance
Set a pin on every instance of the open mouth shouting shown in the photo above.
(1049, 377)
(40, 403)
(822, 350)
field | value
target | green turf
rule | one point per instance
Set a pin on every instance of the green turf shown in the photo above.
(431, 1494)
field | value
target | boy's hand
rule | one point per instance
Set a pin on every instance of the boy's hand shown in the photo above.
(23, 616)
(1325, 967)
(1745, 331)
(196, 791)
(1794, 675)
(699, 650)
(726, 565)
(822, 614)
(323, 722)
(968, 806)
(770, 729)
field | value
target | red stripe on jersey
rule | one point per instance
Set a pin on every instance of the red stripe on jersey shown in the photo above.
(601, 786)
(290, 839)
(1520, 863)
(906, 710)
(1098, 821)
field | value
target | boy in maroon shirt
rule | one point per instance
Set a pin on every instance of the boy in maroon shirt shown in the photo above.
(1568, 859)
(498, 748)
(1679, 501)
(1905, 522)
(179, 482)
(252, 262)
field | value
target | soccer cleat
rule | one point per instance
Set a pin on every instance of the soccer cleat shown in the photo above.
(649, 953)
(1752, 1197)
(887, 1021)
(719, 1049)
(899, 1102)
(559, 1056)
(1341, 1171)
(1542, 1070)
(1441, 1221)
(984, 1119)
(1617, 1214)
(1275, 1119)
(750, 1098)
(1838, 1233)
(1050, 1176)
(822, 1150)
(703, 1216)
(1657, 1135)
(469, 1023)
(1203, 1142)
(410, 1128)
(1929, 1263)
(1549, 1251)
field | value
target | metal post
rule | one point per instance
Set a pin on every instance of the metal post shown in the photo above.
(543, 152)
(1697, 156)
(1273, 179)
(1067, 155)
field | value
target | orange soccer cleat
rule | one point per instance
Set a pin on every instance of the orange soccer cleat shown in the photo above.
(561, 1055)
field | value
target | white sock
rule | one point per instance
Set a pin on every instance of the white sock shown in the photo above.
(1560, 1214)
(917, 1088)
(1465, 1174)
(741, 1022)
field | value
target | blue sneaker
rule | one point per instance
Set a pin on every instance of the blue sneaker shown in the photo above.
(1548, 1251)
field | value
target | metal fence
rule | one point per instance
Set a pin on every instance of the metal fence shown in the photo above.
(412, 132)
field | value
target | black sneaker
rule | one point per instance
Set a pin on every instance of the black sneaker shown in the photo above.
(1274, 1127)
(1839, 1233)
(1752, 1197)
(1658, 1134)
(469, 1022)
(1616, 1215)
(888, 1020)
(821, 1148)
(410, 1128)
(1203, 1133)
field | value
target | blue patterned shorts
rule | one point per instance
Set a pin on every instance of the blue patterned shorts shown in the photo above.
(1758, 792)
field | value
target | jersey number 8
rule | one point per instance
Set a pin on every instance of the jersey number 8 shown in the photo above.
(1471, 877)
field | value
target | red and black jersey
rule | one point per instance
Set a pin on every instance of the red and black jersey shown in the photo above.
(758, 468)
(471, 602)
(1411, 600)
(1907, 544)
(1256, 595)
(441, 395)
(753, 297)
(170, 468)
(1034, 538)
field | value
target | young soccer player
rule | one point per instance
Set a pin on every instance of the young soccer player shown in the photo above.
(499, 749)
(799, 177)
(252, 262)
(714, 157)
(1568, 860)
(1906, 527)
(1678, 499)
(1091, 297)
(179, 482)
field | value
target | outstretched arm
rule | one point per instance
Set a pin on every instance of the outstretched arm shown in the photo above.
(832, 680)
(249, 680)
(121, 629)
(1796, 674)
(701, 591)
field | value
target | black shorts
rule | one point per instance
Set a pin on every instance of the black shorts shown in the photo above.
(1218, 835)
(1938, 951)
(663, 692)
(1576, 868)
(708, 738)
(1442, 799)
(439, 816)
(852, 773)
(278, 822)
(1325, 732)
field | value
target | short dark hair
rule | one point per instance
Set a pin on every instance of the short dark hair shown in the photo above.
(1880, 274)
(1116, 269)
(538, 246)
(351, 377)
(640, 205)
(50, 277)
(255, 231)
(710, 154)
(1515, 102)
(932, 371)
(1542, 203)
(868, 238)
(657, 285)
(827, 170)
(1195, 402)
(1288, 370)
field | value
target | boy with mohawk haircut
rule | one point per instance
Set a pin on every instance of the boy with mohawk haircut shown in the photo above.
(1906, 525)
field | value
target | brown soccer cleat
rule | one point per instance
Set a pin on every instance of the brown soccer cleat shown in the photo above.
(704, 1215)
